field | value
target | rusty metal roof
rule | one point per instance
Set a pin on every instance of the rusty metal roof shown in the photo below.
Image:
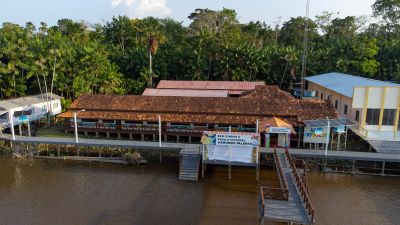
(185, 92)
(209, 85)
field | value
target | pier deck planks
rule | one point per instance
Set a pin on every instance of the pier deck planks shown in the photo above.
(292, 210)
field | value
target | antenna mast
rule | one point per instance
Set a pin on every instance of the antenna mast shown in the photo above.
(305, 49)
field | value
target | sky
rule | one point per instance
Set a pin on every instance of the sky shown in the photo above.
(101, 11)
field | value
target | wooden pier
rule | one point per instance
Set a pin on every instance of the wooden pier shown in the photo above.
(290, 203)
(165, 146)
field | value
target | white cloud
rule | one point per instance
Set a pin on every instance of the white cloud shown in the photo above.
(128, 3)
(142, 8)
(116, 3)
(154, 7)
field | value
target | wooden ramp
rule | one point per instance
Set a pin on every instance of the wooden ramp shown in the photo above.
(290, 203)
(189, 167)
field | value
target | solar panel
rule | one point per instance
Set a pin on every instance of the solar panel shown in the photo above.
(332, 123)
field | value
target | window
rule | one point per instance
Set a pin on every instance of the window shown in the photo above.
(55, 105)
(316, 94)
(388, 117)
(336, 104)
(357, 115)
(372, 116)
(322, 96)
(345, 109)
(4, 116)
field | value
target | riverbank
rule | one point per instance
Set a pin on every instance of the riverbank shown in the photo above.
(34, 191)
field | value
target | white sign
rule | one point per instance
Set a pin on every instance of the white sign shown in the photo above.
(314, 135)
(236, 140)
(278, 130)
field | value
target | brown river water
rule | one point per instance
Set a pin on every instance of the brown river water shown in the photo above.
(58, 193)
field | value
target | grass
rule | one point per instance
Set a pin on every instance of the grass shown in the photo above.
(53, 132)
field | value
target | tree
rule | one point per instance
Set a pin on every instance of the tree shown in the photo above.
(389, 10)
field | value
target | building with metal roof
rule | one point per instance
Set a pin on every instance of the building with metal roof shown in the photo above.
(185, 92)
(28, 108)
(344, 83)
(234, 88)
(372, 104)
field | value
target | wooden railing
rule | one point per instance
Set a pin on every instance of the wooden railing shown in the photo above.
(261, 202)
(301, 164)
(282, 178)
(275, 193)
(300, 185)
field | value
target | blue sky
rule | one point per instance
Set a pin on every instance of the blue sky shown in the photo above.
(99, 11)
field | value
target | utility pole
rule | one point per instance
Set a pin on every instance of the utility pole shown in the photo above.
(328, 131)
(11, 122)
(305, 49)
(76, 124)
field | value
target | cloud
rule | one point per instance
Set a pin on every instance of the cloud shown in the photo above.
(154, 7)
(128, 3)
(143, 8)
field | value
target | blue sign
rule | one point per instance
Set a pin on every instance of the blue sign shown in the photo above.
(340, 129)
(23, 118)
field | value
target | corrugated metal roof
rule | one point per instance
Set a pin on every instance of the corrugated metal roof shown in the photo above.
(344, 83)
(25, 101)
(185, 92)
(209, 85)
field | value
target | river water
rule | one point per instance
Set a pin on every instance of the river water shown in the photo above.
(58, 193)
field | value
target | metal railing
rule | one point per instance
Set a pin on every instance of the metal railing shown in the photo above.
(301, 186)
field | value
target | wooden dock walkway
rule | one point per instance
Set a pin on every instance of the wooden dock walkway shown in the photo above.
(167, 146)
(290, 203)
(116, 160)
(342, 155)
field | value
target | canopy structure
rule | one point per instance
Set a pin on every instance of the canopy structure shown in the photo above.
(318, 132)
(275, 122)
(332, 123)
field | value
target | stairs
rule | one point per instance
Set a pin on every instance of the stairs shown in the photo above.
(189, 167)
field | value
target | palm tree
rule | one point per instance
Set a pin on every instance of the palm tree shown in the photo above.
(152, 46)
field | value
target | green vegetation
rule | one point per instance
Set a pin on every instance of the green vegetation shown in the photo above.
(53, 132)
(127, 55)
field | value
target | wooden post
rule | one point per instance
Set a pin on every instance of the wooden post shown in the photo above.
(20, 129)
(258, 163)
(345, 139)
(383, 168)
(29, 128)
(202, 169)
(298, 139)
(229, 171)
